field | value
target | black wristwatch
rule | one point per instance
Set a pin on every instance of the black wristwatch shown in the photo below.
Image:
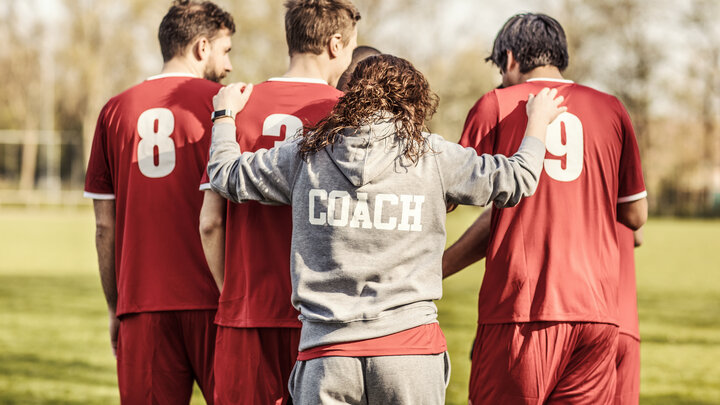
(220, 114)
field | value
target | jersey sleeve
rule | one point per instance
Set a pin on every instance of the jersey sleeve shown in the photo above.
(631, 186)
(266, 175)
(469, 178)
(98, 178)
(481, 125)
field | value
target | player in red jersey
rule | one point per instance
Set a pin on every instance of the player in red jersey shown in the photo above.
(248, 245)
(628, 353)
(149, 152)
(548, 309)
(627, 360)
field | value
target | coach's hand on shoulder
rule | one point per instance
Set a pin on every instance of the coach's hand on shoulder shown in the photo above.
(545, 106)
(232, 97)
(542, 109)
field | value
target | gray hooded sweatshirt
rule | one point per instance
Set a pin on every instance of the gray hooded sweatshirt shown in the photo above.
(368, 225)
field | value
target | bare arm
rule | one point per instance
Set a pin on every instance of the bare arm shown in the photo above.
(105, 245)
(633, 214)
(212, 234)
(470, 248)
(638, 237)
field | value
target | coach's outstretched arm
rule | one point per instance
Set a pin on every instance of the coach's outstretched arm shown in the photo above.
(479, 180)
(105, 245)
(265, 175)
(511, 179)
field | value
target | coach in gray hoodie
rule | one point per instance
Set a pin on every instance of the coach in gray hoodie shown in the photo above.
(368, 219)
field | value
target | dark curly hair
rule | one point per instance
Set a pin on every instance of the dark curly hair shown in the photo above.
(381, 87)
(534, 39)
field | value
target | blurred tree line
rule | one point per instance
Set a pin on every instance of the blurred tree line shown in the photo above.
(663, 62)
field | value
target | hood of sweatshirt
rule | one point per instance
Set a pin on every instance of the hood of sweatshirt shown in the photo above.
(363, 153)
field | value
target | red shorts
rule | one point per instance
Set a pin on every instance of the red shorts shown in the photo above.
(544, 362)
(253, 365)
(628, 371)
(159, 355)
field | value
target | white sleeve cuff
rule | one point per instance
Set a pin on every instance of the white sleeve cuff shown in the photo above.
(205, 187)
(633, 197)
(98, 196)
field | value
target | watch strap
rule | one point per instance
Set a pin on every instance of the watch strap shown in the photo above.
(220, 114)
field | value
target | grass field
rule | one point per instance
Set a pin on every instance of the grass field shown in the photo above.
(53, 338)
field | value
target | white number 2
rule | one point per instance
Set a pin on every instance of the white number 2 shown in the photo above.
(274, 123)
(572, 149)
(155, 127)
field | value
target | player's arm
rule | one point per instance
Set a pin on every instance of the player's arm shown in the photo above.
(638, 237)
(632, 208)
(633, 214)
(105, 245)
(470, 248)
(212, 234)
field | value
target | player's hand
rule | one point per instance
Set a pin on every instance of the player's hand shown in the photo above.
(232, 97)
(544, 107)
(114, 328)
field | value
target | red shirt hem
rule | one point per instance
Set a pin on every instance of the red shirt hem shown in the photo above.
(633, 335)
(126, 311)
(265, 323)
(553, 318)
(420, 340)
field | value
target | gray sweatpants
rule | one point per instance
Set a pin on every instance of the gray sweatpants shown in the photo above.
(386, 380)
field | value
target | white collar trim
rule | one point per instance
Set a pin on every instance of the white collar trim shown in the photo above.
(543, 79)
(164, 75)
(297, 80)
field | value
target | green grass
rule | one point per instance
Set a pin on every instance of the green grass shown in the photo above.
(53, 338)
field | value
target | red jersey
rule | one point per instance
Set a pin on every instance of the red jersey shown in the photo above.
(627, 296)
(149, 152)
(257, 288)
(554, 257)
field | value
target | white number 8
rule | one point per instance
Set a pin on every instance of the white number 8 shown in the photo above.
(572, 149)
(160, 138)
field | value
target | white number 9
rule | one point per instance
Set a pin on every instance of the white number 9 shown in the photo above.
(160, 138)
(572, 149)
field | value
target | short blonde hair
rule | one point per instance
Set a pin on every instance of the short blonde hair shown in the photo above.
(309, 24)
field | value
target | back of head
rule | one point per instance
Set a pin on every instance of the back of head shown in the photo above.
(381, 87)
(309, 24)
(360, 53)
(534, 39)
(188, 20)
(363, 51)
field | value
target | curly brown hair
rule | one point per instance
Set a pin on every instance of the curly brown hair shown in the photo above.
(381, 87)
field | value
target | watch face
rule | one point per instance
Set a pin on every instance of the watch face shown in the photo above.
(220, 113)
